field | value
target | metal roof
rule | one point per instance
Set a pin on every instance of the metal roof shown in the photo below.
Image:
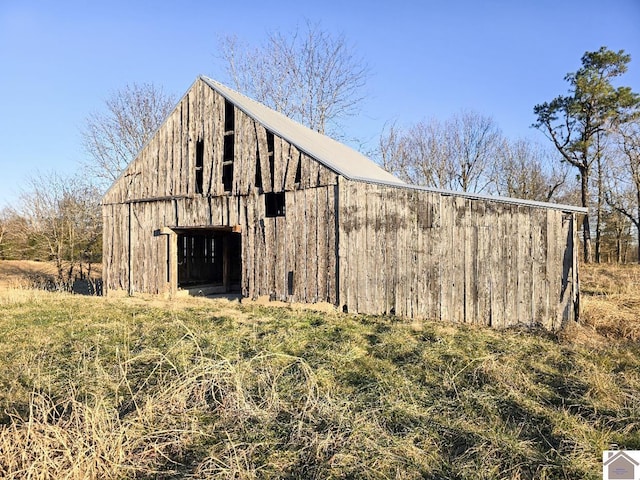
(343, 159)
(338, 157)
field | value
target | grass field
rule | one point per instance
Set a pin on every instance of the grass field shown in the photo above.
(146, 388)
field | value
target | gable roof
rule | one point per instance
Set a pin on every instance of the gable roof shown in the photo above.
(338, 157)
(621, 455)
(341, 158)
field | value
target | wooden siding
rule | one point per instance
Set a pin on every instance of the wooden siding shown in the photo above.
(166, 166)
(299, 246)
(159, 189)
(370, 248)
(425, 255)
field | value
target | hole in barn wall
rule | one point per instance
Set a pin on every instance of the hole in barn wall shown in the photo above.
(199, 165)
(258, 181)
(274, 204)
(290, 283)
(298, 178)
(227, 176)
(228, 153)
(271, 154)
(228, 148)
(229, 117)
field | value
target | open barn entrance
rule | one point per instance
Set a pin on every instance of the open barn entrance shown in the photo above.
(209, 261)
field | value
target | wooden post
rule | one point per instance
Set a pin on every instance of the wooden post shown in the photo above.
(172, 260)
(575, 279)
(130, 254)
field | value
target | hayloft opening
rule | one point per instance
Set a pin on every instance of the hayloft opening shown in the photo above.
(258, 181)
(210, 259)
(274, 204)
(199, 165)
(271, 154)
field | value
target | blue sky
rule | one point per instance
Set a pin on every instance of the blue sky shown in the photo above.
(59, 60)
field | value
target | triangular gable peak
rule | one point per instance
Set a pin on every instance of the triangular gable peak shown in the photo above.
(219, 141)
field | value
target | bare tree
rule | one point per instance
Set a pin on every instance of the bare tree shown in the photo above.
(309, 75)
(475, 139)
(457, 154)
(112, 138)
(14, 244)
(4, 225)
(525, 170)
(420, 155)
(623, 191)
(391, 148)
(63, 221)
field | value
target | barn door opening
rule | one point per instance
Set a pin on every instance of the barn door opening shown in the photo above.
(209, 260)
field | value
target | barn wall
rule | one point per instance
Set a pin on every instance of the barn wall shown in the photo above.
(426, 255)
(375, 249)
(292, 257)
(160, 189)
(166, 166)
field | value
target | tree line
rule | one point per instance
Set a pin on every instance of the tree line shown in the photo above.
(58, 217)
(592, 157)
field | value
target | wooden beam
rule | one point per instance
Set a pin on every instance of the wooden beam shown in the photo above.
(172, 262)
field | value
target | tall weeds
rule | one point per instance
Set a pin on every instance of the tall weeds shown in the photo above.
(135, 388)
(207, 417)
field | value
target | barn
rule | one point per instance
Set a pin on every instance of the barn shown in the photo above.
(230, 196)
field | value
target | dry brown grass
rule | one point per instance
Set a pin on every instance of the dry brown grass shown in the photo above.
(24, 273)
(31, 274)
(148, 388)
(611, 300)
(123, 389)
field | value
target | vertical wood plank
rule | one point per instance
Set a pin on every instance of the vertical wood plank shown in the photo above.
(332, 246)
(301, 258)
(279, 164)
(312, 243)
(342, 260)
(261, 135)
(372, 228)
(391, 221)
(293, 159)
(322, 242)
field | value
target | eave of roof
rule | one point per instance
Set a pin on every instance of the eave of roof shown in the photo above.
(480, 196)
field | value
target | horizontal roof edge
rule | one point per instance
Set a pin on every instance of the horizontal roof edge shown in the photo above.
(478, 196)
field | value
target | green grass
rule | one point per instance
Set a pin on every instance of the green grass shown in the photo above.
(135, 388)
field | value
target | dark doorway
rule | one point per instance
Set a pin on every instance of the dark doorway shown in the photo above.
(211, 258)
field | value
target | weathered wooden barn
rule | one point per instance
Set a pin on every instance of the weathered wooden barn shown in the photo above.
(230, 196)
